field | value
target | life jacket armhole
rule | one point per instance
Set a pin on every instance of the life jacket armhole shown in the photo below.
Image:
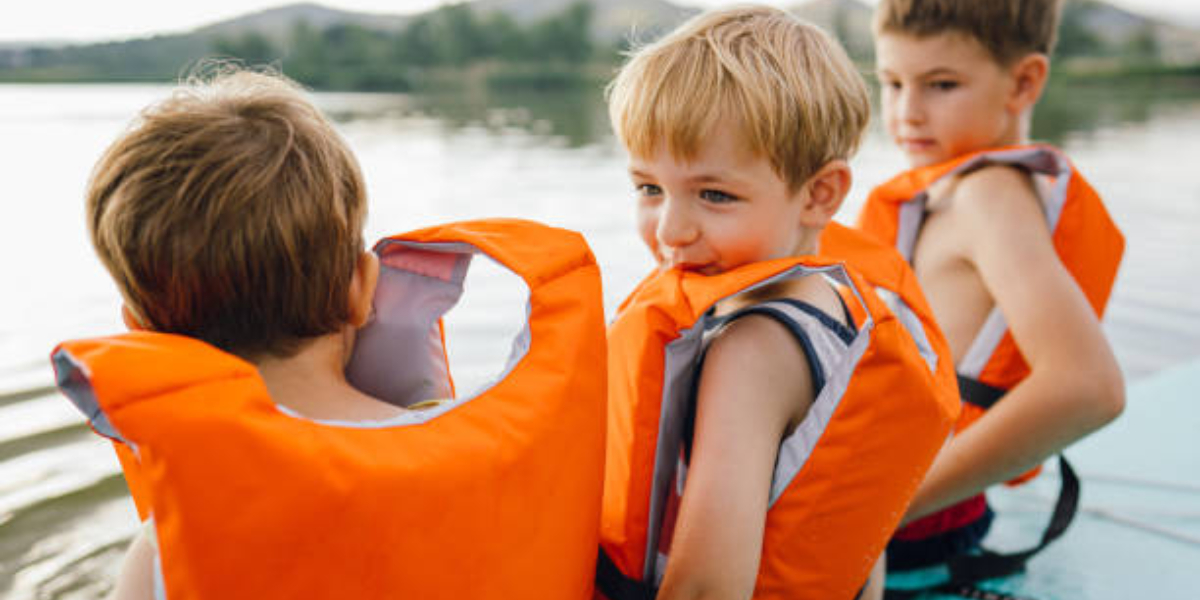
(830, 362)
(682, 359)
(400, 355)
(832, 350)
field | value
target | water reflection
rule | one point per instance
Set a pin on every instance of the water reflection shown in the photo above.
(576, 116)
(1073, 107)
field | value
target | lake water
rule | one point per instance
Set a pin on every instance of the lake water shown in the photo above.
(64, 513)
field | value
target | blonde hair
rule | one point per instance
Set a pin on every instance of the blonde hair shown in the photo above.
(1008, 29)
(231, 212)
(796, 97)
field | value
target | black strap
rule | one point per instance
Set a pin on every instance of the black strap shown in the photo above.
(968, 569)
(615, 585)
(979, 393)
(844, 331)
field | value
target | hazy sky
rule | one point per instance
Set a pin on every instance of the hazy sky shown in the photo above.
(112, 19)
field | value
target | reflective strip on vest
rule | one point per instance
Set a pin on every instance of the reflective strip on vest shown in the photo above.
(909, 319)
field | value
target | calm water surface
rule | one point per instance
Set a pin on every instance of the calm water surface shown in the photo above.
(64, 513)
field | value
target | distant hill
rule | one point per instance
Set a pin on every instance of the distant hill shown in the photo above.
(848, 20)
(276, 23)
(1120, 30)
(612, 20)
(1091, 30)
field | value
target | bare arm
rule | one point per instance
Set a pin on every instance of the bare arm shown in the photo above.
(752, 387)
(1074, 386)
(136, 580)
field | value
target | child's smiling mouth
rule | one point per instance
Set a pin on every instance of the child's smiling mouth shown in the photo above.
(914, 144)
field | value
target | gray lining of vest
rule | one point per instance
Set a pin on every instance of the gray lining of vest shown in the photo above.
(1038, 160)
(912, 215)
(679, 371)
(75, 382)
(399, 356)
(912, 323)
(381, 348)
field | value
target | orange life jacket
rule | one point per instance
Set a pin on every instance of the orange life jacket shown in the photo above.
(1087, 242)
(894, 282)
(844, 477)
(495, 495)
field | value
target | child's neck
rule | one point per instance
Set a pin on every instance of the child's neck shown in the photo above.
(313, 383)
(1018, 133)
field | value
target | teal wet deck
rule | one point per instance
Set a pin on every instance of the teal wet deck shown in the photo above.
(1137, 535)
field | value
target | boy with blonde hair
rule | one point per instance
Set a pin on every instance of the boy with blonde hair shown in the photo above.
(739, 125)
(1015, 251)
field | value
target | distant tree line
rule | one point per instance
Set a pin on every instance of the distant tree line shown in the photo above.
(447, 40)
(149, 59)
(1077, 40)
(446, 46)
(455, 45)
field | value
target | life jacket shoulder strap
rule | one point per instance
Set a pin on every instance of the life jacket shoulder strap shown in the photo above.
(979, 393)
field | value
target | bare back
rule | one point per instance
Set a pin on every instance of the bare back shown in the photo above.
(942, 261)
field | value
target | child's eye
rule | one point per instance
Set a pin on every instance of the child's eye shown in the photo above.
(718, 197)
(647, 190)
(943, 85)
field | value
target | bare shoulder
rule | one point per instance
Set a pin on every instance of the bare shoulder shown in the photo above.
(755, 345)
(997, 209)
(756, 358)
(997, 195)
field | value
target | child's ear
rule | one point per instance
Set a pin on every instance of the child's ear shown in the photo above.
(362, 288)
(1029, 79)
(131, 320)
(824, 193)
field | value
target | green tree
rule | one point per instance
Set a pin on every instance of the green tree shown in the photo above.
(253, 48)
(1143, 44)
(508, 40)
(418, 44)
(307, 58)
(566, 37)
(1074, 37)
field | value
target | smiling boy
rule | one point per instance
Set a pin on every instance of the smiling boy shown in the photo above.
(800, 431)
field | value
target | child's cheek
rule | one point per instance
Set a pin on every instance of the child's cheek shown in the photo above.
(647, 225)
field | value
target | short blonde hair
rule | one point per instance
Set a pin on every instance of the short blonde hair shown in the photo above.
(796, 96)
(1008, 29)
(231, 212)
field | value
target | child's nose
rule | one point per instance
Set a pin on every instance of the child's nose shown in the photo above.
(910, 109)
(676, 227)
